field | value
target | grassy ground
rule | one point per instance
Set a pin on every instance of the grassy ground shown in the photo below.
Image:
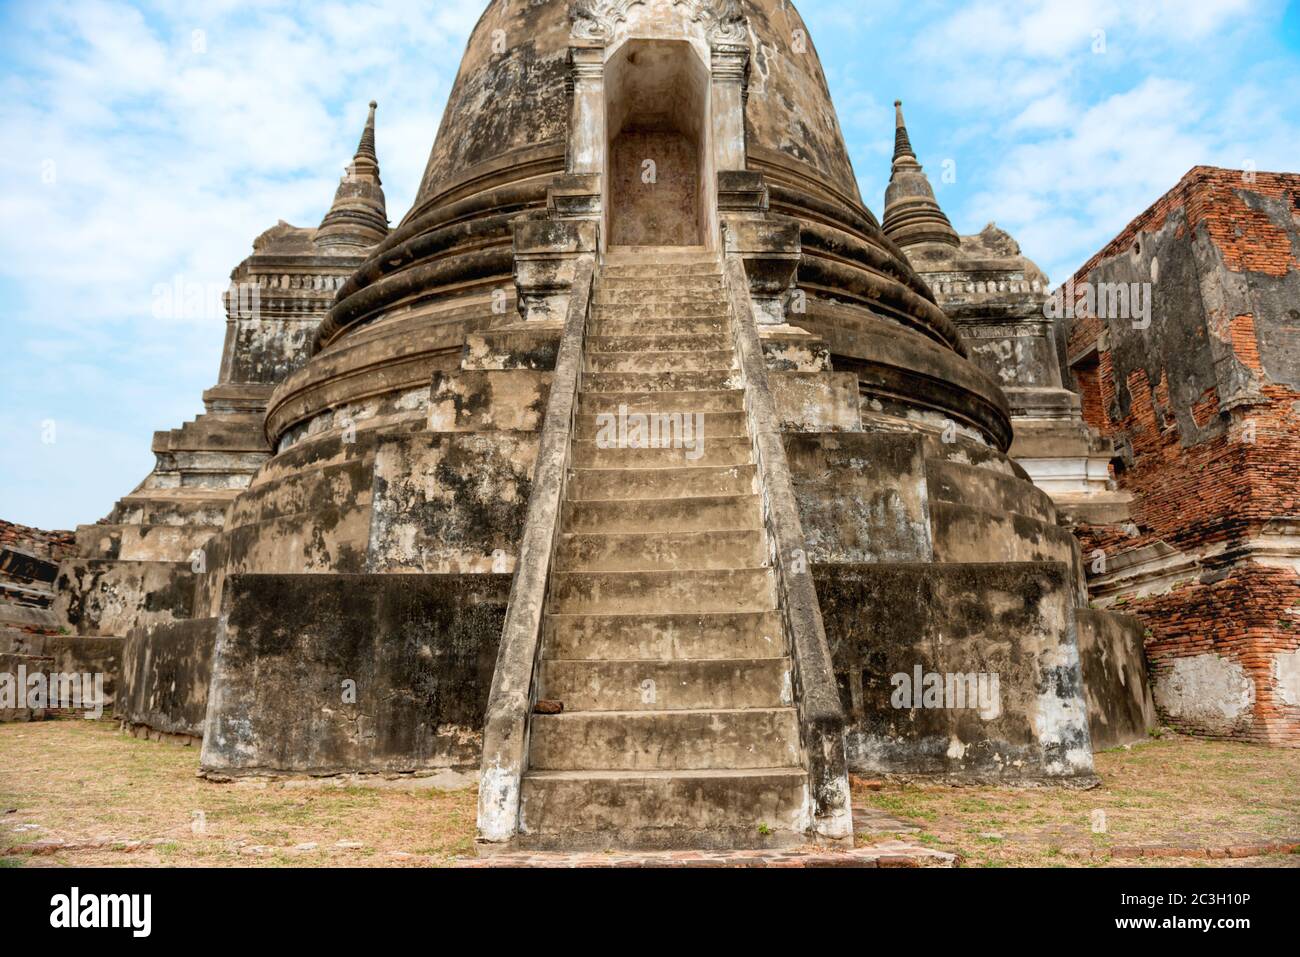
(1178, 792)
(83, 783)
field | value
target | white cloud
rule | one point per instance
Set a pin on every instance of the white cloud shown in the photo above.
(140, 151)
(170, 157)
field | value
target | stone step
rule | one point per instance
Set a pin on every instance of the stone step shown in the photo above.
(664, 740)
(669, 277)
(687, 326)
(672, 288)
(672, 428)
(653, 593)
(723, 400)
(662, 515)
(611, 484)
(617, 266)
(664, 810)
(722, 360)
(695, 309)
(734, 683)
(604, 383)
(722, 452)
(668, 295)
(664, 637)
(658, 343)
(660, 551)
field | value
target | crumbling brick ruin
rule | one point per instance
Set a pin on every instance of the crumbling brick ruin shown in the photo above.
(1201, 400)
(410, 534)
(34, 639)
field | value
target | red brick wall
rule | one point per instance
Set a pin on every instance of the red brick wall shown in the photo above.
(1221, 489)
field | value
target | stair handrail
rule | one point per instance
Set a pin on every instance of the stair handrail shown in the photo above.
(817, 699)
(514, 681)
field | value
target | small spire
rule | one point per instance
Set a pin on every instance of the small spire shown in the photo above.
(912, 214)
(902, 143)
(366, 147)
(359, 216)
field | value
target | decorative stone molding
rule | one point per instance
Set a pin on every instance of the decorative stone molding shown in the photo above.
(574, 196)
(731, 65)
(741, 191)
(723, 20)
(585, 84)
(597, 19)
(730, 93)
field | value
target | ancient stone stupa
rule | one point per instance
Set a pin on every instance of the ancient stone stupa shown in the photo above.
(636, 470)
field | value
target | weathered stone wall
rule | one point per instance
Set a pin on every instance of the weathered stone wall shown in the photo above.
(862, 496)
(1012, 621)
(109, 598)
(1202, 404)
(450, 503)
(376, 673)
(60, 658)
(1120, 708)
(165, 673)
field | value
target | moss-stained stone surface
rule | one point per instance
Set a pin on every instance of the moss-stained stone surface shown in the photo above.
(451, 503)
(477, 401)
(99, 597)
(322, 674)
(1011, 621)
(862, 496)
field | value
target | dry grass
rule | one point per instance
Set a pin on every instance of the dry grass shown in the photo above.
(83, 783)
(1179, 792)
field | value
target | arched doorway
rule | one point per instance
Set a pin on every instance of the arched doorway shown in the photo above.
(660, 189)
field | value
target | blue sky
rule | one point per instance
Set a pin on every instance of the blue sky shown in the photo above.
(151, 141)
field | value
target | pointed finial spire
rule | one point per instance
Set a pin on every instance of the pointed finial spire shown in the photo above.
(902, 143)
(366, 147)
(359, 216)
(912, 214)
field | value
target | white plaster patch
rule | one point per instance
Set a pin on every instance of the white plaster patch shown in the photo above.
(1207, 691)
(1286, 676)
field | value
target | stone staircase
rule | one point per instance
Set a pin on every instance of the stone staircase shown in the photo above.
(662, 637)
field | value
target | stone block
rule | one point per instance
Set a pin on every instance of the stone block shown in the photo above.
(358, 673)
(1002, 635)
(165, 673)
(862, 497)
(1120, 707)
